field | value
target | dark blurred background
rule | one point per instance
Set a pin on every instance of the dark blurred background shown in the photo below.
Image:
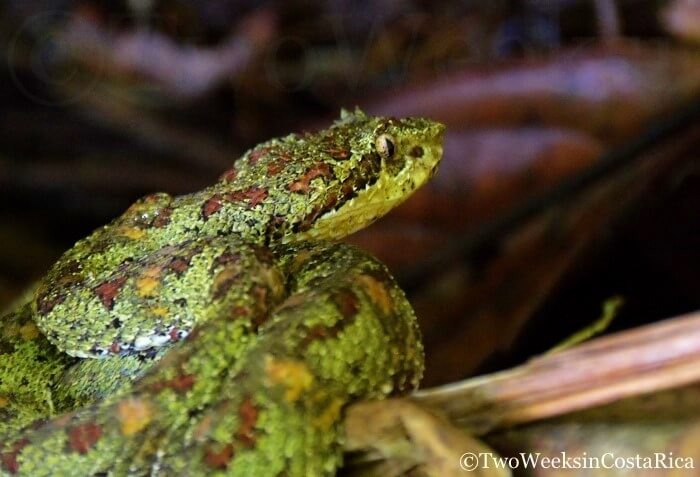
(103, 102)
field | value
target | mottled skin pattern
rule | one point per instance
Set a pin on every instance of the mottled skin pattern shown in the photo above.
(289, 328)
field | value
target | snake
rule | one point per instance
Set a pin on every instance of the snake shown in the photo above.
(222, 332)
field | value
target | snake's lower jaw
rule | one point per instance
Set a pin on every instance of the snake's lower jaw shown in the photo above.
(372, 203)
(337, 224)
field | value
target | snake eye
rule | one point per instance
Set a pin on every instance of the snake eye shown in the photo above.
(384, 144)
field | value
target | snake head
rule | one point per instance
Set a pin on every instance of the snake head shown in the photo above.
(386, 160)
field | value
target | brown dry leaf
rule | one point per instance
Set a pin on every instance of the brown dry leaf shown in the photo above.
(489, 302)
(406, 437)
(635, 392)
(682, 18)
(608, 92)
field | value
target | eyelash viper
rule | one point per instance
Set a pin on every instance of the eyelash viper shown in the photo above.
(283, 327)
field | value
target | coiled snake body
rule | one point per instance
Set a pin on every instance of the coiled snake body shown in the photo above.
(269, 328)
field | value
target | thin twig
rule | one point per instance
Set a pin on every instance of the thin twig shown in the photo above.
(608, 21)
(647, 359)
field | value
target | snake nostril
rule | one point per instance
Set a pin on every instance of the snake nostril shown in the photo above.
(416, 152)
